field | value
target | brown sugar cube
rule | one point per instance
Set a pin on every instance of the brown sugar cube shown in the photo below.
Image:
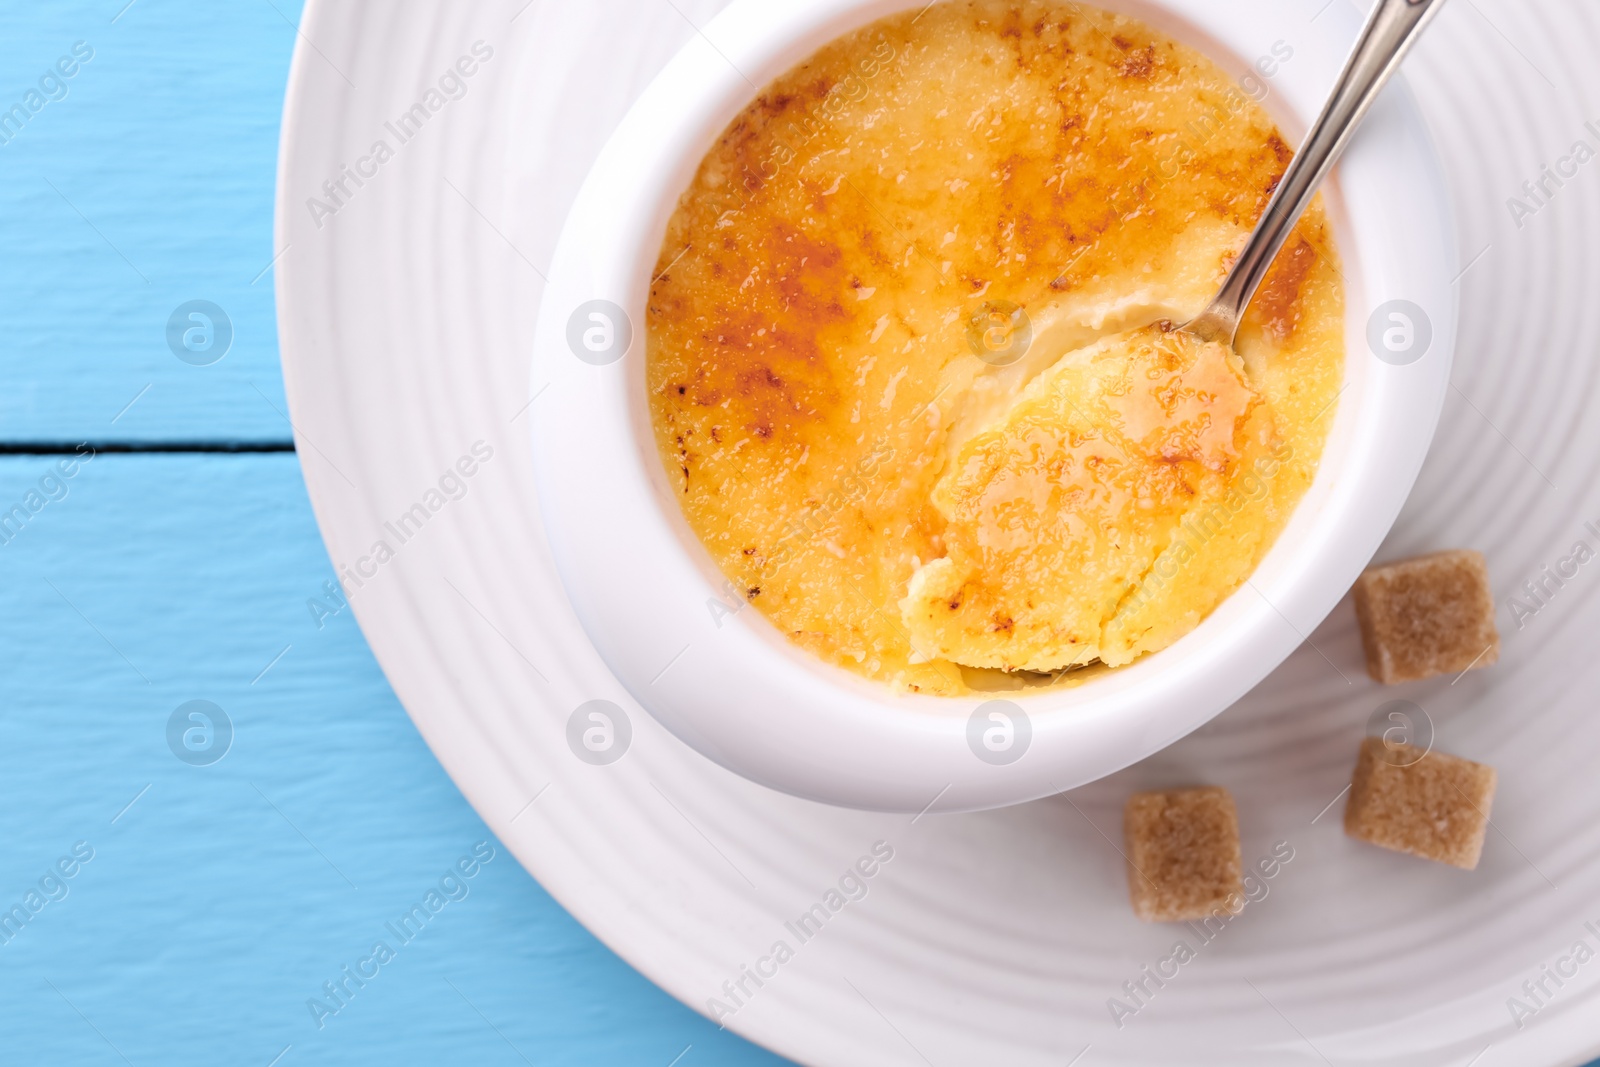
(1425, 616)
(1183, 854)
(1426, 803)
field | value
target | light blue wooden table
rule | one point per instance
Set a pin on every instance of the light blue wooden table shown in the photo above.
(208, 904)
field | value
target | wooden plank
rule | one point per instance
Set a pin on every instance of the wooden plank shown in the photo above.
(220, 898)
(143, 181)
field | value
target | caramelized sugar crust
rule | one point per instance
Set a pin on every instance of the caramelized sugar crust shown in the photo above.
(811, 360)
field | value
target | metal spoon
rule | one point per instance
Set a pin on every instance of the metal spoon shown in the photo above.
(1390, 31)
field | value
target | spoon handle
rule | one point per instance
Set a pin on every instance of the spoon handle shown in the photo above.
(1388, 33)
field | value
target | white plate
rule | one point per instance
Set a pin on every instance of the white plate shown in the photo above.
(998, 937)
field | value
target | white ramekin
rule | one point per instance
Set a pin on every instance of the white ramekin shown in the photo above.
(737, 690)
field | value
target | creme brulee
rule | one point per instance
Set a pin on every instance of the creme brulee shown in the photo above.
(911, 364)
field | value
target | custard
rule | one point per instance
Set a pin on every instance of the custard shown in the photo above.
(910, 357)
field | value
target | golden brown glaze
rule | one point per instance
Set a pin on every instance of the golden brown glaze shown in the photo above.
(810, 374)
